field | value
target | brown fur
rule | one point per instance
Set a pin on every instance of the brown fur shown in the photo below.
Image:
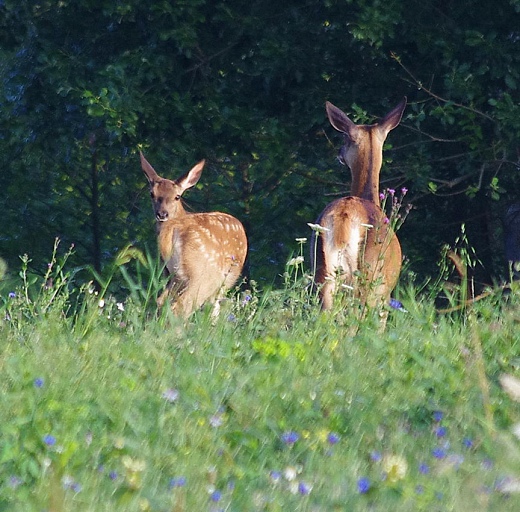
(358, 240)
(204, 253)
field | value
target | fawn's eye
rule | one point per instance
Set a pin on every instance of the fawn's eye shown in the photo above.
(177, 197)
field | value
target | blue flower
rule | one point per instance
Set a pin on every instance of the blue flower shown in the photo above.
(363, 485)
(304, 489)
(112, 475)
(376, 456)
(177, 482)
(333, 438)
(396, 304)
(440, 431)
(38, 382)
(467, 442)
(424, 469)
(12, 295)
(439, 453)
(215, 496)
(437, 416)
(49, 440)
(290, 437)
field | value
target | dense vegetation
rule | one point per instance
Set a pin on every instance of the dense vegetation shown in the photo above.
(85, 83)
(274, 406)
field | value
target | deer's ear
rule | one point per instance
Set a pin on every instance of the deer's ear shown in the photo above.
(393, 118)
(148, 169)
(192, 176)
(338, 119)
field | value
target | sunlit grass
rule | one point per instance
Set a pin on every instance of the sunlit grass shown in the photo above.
(108, 405)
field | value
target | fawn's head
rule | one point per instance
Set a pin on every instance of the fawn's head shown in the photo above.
(166, 194)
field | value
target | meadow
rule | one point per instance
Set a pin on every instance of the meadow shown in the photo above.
(108, 405)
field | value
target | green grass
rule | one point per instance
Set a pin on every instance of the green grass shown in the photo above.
(275, 406)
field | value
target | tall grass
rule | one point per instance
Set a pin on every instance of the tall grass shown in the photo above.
(109, 405)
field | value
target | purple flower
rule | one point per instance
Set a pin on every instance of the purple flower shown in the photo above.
(376, 456)
(381, 196)
(304, 489)
(419, 489)
(424, 469)
(437, 416)
(391, 191)
(404, 190)
(215, 496)
(439, 453)
(275, 476)
(386, 220)
(177, 482)
(290, 437)
(231, 318)
(467, 442)
(170, 395)
(12, 295)
(440, 431)
(363, 485)
(333, 438)
(397, 304)
(38, 382)
(49, 440)
(112, 475)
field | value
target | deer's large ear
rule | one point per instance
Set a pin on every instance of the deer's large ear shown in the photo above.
(148, 169)
(338, 119)
(393, 118)
(192, 176)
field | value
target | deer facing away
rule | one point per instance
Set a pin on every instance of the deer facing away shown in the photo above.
(357, 239)
(204, 253)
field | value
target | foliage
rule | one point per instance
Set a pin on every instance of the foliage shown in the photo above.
(85, 83)
(273, 406)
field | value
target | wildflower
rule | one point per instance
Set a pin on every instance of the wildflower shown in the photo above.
(317, 228)
(14, 482)
(386, 220)
(247, 298)
(120, 306)
(301, 240)
(119, 443)
(396, 304)
(363, 485)
(424, 469)
(419, 489)
(381, 196)
(390, 191)
(216, 420)
(112, 475)
(12, 295)
(290, 473)
(395, 467)
(231, 318)
(133, 465)
(101, 303)
(439, 453)
(487, 464)
(170, 395)
(38, 382)
(177, 482)
(368, 226)
(215, 496)
(511, 385)
(304, 489)
(333, 438)
(376, 456)
(88, 438)
(49, 440)
(295, 261)
(440, 431)
(290, 437)
(275, 476)
(437, 416)
(404, 190)
(467, 442)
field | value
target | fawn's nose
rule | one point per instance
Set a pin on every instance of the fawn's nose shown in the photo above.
(161, 216)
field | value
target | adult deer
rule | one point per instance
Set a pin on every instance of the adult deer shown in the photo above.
(204, 253)
(357, 247)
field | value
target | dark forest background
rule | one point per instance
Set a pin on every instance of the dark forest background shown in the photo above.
(85, 83)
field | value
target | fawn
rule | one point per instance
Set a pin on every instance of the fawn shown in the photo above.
(204, 253)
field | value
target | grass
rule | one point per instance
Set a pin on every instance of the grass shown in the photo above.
(108, 406)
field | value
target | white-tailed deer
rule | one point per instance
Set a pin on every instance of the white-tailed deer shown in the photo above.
(204, 253)
(357, 246)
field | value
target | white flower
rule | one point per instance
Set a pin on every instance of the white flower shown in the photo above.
(511, 385)
(120, 306)
(317, 228)
(101, 303)
(301, 240)
(295, 261)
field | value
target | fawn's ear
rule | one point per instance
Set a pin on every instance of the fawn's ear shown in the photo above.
(191, 177)
(338, 119)
(148, 170)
